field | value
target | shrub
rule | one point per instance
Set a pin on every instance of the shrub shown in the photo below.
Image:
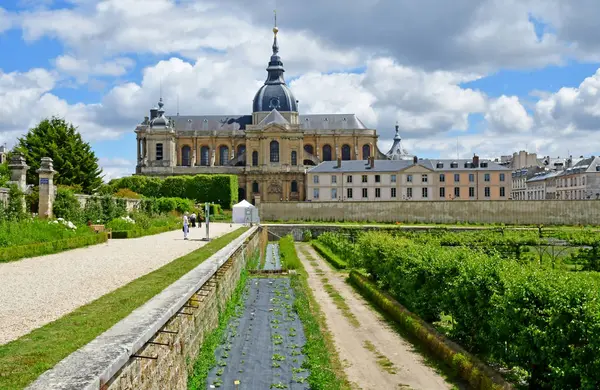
(306, 235)
(67, 206)
(332, 258)
(126, 193)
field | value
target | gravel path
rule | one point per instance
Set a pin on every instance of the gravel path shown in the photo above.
(39, 290)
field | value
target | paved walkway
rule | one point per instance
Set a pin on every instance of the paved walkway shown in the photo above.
(39, 290)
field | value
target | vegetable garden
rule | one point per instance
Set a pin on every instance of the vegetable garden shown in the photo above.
(532, 314)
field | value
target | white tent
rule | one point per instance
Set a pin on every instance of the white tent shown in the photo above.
(245, 212)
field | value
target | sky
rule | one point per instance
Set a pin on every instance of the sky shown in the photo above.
(459, 77)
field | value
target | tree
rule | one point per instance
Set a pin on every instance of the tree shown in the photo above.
(74, 160)
(4, 174)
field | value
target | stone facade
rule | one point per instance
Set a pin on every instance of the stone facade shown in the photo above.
(508, 212)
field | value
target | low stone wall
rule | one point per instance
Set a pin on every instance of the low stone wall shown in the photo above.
(131, 204)
(510, 212)
(156, 345)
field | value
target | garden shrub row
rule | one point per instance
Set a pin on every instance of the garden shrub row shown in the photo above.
(219, 189)
(287, 253)
(142, 232)
(45, 248)
(538, 320)
(154, 206)
(328, 255)
(469, 368)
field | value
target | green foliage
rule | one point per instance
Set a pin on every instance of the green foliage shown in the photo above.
(306, 235)
(48, 247)
(14, 208)
(140, 225)
(541, 320)
(341, 249)
(67, 206)
(32, 200)
(287, 252)
(154, 206)
(328, 255)
(4, 173)
(74, 161)
(219, 189)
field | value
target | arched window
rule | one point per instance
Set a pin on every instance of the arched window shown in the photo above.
(326, 153)
(294, 157)
(309, 149)
(241, 149)
(255, 158)
(204, 156)
(255, 188)
(366, 151)
(274, 151)
(346, 152)
(294, 186)
(223, 155)
(185, 156)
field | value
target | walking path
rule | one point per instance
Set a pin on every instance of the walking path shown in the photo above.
(39, 290)
(374, 356)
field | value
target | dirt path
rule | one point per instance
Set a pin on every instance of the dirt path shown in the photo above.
(374, 356)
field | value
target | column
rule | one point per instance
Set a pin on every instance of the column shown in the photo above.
(18, 174)
(139, 156)
(46, 177)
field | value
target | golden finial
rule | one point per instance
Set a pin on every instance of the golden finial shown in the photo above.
(275, 29)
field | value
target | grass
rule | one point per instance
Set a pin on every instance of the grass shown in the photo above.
(36, 231)
(340, 302)
(328, 255)
(382, 361)
(287, 253)
(24, 359)
(326, 370)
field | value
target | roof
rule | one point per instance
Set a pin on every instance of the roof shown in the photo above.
(274, 117)
(544, 176)
(461, 165)
(355, 166)
(239, 122)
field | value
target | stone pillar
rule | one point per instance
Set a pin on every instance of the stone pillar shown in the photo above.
(18, 174)
(46, 175)
(139, 152)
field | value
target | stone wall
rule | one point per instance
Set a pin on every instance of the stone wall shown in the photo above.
(131, 204)
(549, 212)
(156, 345)
(4, 196)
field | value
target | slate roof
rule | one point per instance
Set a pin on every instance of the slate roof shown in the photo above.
(354, 166)
(462, 165)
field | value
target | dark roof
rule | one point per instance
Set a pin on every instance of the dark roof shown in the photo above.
(352, 166)
(461, 164)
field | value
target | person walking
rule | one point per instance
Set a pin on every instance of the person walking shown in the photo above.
(185, 226)
(193, 219)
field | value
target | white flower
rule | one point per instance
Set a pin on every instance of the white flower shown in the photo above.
(60, 219)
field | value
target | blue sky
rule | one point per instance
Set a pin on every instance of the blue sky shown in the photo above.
(497, 79)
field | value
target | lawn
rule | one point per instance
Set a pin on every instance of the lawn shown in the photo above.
(24, 359)
(35, 231)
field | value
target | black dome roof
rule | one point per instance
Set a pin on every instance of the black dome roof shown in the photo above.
(275, 94)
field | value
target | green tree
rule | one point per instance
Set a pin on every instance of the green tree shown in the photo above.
(4, 174)
(74, 160)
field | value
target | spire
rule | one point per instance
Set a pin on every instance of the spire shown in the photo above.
(275, 69)
(275, 31)
(397, 136)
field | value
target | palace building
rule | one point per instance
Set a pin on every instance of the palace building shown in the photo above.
(269, 150)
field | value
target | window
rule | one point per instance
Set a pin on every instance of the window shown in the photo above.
(241, 149)
(392, 192)
(502, 177)
(442, 192)
(346, 152)
(457, 177)
(424, 192)
(486, 177)
(457, 192)
(377, 178)
(333, 179)
(471, 192)
(366, 152)
(294, 186)
(471, 178)
(334, 193)
(349, 179)
(484, 165)
(255, 158)
(204, 153)
(365, 193)
(186, 158)
(315, 193)
(274, 151)
(502, 192)
(409, 192)
(255, 188)
(439, 165)
(349, 193)
(454, 165)
(223, 155)
(364, 178)
(409, 178)
(159, 151)
(326, 153)
(423, 178)
(442, 178)
(393, 178)
(316, 179)
(378, 192)
(294, 157)
(309, 149)
(486, 191)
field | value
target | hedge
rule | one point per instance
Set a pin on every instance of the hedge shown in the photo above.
(46, 248)
(287, 252)
(141, 233)
(220, 189)
(328, 255)
(469, 368)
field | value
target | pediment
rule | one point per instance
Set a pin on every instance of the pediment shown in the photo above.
(418, 168)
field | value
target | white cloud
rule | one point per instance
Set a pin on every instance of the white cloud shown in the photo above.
(506, 114)
(116, 167)
(6, 20)
(82, 68)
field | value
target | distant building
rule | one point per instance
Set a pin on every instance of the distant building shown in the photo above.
(419, 179)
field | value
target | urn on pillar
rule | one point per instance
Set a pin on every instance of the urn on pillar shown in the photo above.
(46, 176)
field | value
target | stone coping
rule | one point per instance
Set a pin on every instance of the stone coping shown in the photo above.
(98, 361)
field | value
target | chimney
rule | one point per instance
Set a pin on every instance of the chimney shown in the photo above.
(372, 162)
(415, 160)
(476, 161)
(339, 162)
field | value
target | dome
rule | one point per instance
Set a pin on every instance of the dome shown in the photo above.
(275, 94)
